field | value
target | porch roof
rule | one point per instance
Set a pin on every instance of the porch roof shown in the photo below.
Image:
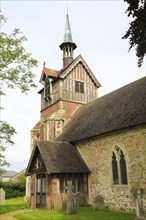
(59, 157)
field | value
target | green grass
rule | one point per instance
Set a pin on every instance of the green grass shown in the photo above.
(82, 213)
(13, 204)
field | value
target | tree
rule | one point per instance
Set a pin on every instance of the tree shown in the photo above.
(15, 72)
(22, 179)
(15, 64)
(2, 171)
(137, 30)
(6, 134)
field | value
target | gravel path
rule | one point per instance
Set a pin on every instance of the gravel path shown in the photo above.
(9, 215)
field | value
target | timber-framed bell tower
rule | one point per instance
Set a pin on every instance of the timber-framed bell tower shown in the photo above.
(65, 90)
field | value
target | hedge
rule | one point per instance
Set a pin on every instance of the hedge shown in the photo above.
(13, 189)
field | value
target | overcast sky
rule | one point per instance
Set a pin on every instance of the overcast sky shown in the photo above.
(97, 29)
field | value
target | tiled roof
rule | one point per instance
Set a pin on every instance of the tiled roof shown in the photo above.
(59, 157)
(64, 71)
(51, 72)
(9, 174)
(22, 172)
(120, 109)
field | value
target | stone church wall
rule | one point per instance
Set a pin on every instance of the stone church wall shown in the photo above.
(55, 118)
(97, 153)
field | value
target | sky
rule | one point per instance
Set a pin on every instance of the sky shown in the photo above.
(97, 29)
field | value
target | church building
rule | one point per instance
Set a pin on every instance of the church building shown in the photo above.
(98, 144)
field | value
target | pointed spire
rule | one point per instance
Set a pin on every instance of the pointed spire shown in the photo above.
(67, 34)
(68, 46)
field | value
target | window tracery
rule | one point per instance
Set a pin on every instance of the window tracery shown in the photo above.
(119, 169)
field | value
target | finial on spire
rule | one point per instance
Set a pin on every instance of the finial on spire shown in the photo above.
(66, 9)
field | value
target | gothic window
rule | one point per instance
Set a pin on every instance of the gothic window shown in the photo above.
(119, 170)
(115, 169)
(47, 89)
(79, 87)
(123, 169)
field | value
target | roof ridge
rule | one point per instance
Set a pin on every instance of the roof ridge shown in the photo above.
(121, 109)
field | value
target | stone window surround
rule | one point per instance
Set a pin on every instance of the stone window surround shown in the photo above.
(122, 176)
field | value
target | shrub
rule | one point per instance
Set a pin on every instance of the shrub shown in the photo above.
(13, 189)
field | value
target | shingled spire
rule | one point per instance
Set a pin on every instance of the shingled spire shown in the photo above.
(68, 46)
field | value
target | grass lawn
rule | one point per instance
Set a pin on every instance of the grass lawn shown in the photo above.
(13, 204)
(82, 213)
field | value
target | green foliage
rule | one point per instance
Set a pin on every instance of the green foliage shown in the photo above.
(6, 134)
(15, 72)
(137, 30)
(15, 63)
(21, 179)
(82, 213)
(13, 189)
(13, 204)
(2, 171)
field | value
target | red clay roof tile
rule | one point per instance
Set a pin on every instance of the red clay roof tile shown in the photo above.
(51, 72)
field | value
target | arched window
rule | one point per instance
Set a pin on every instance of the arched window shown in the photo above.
(115, 169)
(119, 169)
(123, 169)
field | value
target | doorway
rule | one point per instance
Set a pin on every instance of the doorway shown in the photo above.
(41, 192)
